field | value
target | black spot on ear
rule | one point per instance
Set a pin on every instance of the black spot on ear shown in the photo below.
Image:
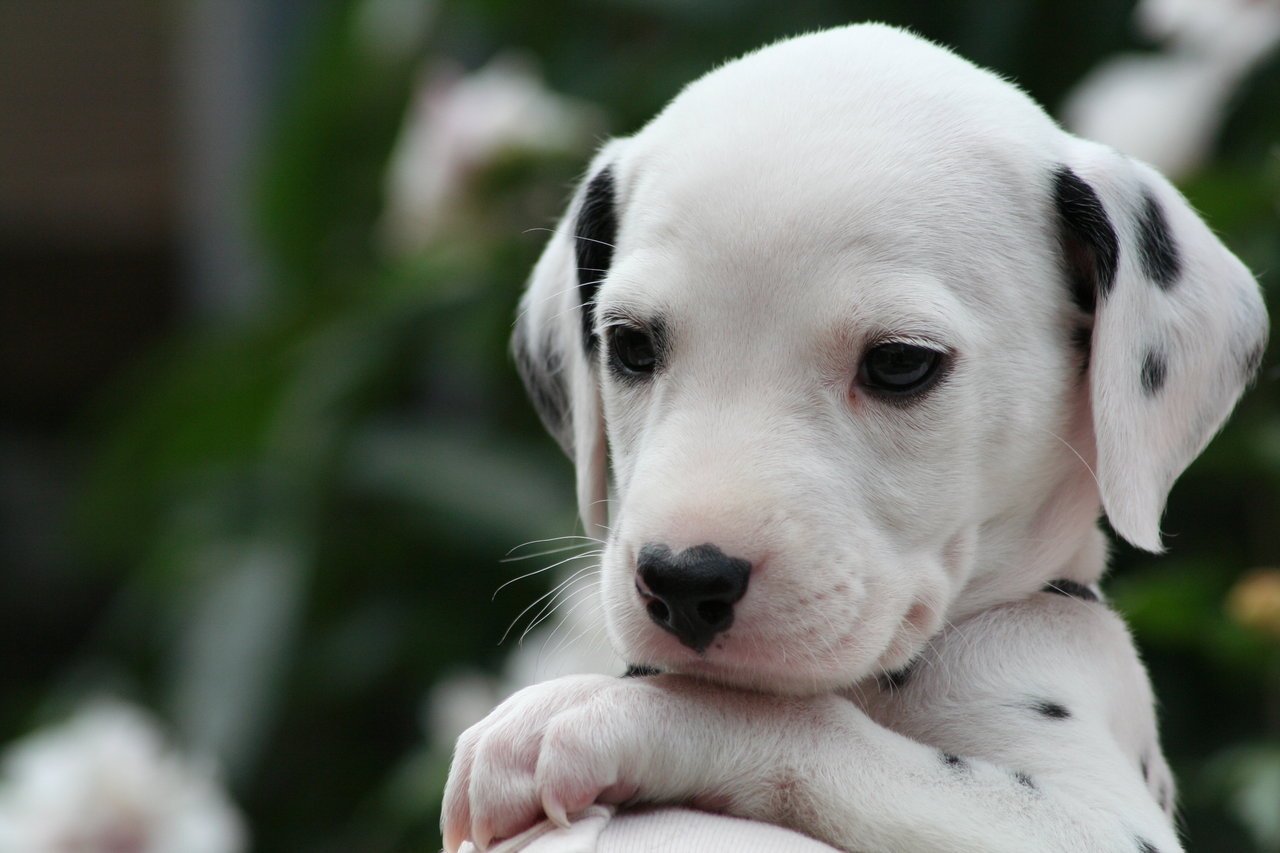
(1154, 371)
(1145, 767)
(1052, 710)
(1156, 247)
(594, 236)
(1024, 780)
(1088, 239)
(1071, 589)
(1252, 360)
(898, 678)
(1082, 343)
(539, 368)
(636, 670)
(1145, 846)
(954, 761)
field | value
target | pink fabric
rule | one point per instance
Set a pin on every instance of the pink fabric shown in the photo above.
(657, 830)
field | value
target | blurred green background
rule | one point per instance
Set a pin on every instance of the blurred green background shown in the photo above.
(262, 449)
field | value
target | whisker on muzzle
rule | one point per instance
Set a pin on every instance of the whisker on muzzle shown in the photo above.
(565, 592)
(570, 559)
(551, 593)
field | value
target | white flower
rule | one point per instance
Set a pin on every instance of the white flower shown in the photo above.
(104, 782)
(456, 126)
(457, 702)
(1239, 31)
(1167, 108)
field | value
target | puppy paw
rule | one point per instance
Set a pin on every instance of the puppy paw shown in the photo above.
(542, 751)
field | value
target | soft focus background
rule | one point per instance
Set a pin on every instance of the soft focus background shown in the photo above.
(262, 450)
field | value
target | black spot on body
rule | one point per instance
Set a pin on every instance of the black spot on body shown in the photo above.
(1145, 846)
(594, 236)
(1024, 780)
(1154, 372)
(1156, 248)
(954, 761)
(898, 678)
(636, 670)
(1052, 710)
(1087, 237)
(1070, 589)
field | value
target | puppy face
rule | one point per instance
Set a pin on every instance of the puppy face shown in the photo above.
(820, 396)
(830, 314)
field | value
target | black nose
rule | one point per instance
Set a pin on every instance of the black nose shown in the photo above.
(692, 593)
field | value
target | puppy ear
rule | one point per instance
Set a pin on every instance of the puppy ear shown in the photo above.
(1179, 327)
(555, 345)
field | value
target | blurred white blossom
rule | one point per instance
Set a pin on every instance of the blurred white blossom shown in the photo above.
(455, 703)
(1240, 31)
(105, 782)
(456, 126)
(1167, 107)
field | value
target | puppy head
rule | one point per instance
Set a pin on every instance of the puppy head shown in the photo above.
(852, 338)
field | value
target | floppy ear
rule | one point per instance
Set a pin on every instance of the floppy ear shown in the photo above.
(1179, 327)
(554, 341)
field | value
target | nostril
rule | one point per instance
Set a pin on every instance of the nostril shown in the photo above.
(658, 611)
(717, 614)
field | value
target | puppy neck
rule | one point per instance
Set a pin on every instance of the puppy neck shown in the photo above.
(1017, 555)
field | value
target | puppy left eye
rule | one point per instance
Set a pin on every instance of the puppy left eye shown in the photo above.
(898, 369)
(633, 350)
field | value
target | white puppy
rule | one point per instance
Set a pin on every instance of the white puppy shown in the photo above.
(854, 342)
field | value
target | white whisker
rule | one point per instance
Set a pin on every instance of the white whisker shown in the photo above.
(545, 595)
(589, 554)
(564, 592)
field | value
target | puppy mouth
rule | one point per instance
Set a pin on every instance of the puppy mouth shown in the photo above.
(804, 659)
(755, 676)
(742, 661)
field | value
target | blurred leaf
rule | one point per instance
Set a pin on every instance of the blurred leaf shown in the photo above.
(240, 623)
(464, 480)
(1248, 776)
(1183, 604)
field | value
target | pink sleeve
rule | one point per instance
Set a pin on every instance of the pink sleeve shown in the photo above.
(657, 830)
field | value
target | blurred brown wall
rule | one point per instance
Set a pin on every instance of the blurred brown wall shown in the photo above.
(87, 259)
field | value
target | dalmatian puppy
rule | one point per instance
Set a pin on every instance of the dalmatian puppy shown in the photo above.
(855, 344)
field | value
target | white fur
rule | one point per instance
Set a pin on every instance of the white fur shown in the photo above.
(781, 215)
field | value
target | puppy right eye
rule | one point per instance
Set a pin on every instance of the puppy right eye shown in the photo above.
(900, 370)
(632, 351)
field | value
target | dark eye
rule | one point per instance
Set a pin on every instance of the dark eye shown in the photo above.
(897, 369)
(632, 350)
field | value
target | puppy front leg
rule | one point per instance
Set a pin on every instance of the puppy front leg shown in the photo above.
(867, 788)
(820, 766)
(817, 765)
